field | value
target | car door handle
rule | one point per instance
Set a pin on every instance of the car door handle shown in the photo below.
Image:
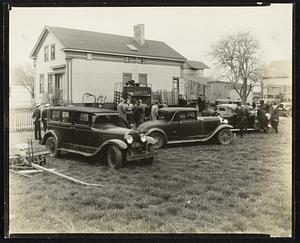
(180, 122)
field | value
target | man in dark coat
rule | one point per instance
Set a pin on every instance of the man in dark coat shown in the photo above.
(37, 122)
(201, 103)
(262, 119)
(242, 119)
(275, 119)
(44, 117)
(137, 113)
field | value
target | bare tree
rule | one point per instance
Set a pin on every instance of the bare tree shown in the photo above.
(237, 60)
(24, 75)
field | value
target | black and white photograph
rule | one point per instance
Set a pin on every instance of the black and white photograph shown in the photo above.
(151, 120)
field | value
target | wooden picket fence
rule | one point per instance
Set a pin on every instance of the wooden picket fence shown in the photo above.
(20, 120)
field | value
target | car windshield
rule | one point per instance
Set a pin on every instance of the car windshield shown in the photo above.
(104, 121)
(164, 115)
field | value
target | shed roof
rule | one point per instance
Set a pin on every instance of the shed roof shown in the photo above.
(197, 64)
(89, 41)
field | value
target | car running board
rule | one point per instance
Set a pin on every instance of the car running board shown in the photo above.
(76, 152)
(187, 141)
(237, 129)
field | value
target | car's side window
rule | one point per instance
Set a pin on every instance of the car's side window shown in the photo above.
(66, 116)
(190, 115)
(55, 115)
(181, 116)
(82, 118)
(222, 109)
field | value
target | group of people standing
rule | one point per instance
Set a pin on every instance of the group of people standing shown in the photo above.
(135, 114)
(263, 121)
(40, 116)
(262, 118)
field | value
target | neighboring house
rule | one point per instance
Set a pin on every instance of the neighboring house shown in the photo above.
(222, 90)
(277, 80)
(70, 63)
(193, 76)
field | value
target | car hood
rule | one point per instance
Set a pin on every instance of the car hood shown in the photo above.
(117, 130)
(149, 124)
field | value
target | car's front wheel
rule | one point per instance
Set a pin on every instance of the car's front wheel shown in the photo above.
(225, 136)
(114, 157)
(159, 139)
(52, 146)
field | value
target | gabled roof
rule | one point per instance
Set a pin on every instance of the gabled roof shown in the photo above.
(278, 69)
(197, 64)
(89, 41)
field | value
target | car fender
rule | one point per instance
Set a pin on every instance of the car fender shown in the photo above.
(157, 130)
(117, 142)
(53, 133)
(150, 140)
(222, 126)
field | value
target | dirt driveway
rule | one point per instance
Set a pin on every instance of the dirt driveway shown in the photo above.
(196, 188)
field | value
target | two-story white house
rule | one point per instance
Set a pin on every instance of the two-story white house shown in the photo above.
(69, 63)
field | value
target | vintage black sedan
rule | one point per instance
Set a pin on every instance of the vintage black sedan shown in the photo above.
(227, 111)
(92, 131)
(181, 124)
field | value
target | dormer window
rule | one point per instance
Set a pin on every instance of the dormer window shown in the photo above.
(46, 53)
(132, 47)
(89, 56)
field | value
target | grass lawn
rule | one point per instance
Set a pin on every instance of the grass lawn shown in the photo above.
(244, 187)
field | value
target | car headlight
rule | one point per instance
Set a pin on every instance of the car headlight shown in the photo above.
(143, 137)
(129, 139)
(225, 121)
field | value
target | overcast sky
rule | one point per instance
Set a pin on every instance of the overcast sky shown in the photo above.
(190, 31)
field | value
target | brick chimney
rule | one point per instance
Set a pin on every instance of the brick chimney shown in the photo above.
(139, 34)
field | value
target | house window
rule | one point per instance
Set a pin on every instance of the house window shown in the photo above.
(175, 83)
(143, 79)
(127, 77)
(52, 51)
(50, 83)
(46, 53)
(42, 83)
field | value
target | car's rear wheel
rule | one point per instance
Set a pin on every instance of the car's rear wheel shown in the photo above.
(160, 139)
(114, 157)
(225, 136)
(150, 149)
(52, 146)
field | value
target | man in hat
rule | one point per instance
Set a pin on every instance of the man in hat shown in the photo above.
(44, 116)
(37, 122)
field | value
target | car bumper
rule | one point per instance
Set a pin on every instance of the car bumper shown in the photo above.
(144, 155)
